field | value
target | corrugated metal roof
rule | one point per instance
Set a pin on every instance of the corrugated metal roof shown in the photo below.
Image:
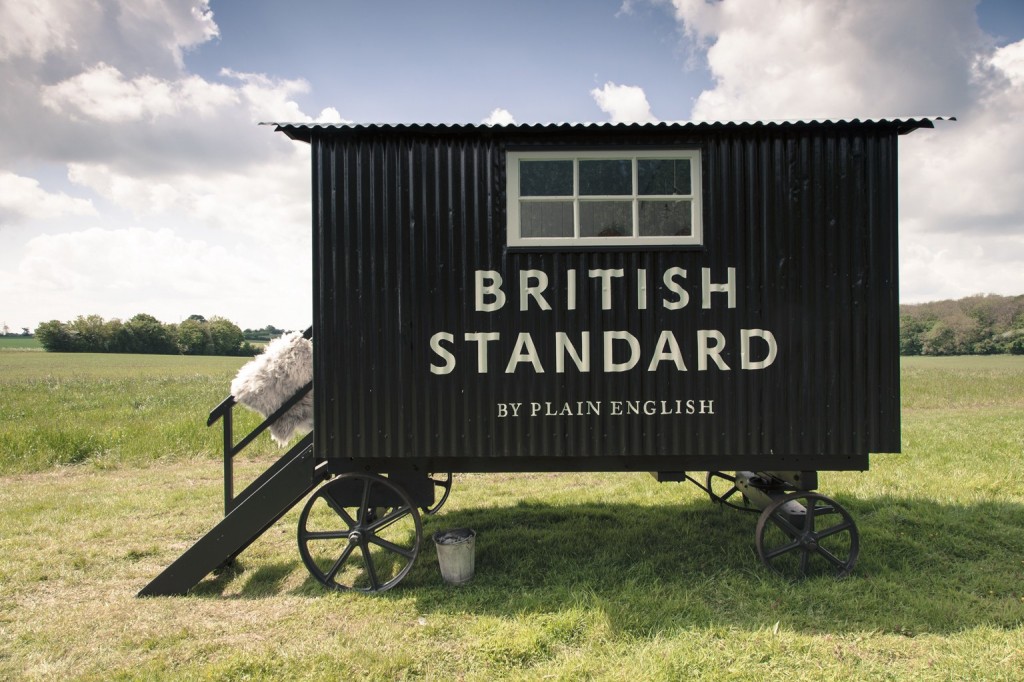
(304, 131)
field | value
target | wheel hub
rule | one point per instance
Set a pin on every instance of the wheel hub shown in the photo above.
(355, 537)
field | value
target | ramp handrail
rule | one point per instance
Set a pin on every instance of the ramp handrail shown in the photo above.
(224, 411)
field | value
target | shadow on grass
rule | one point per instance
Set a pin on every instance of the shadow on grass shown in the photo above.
(264, 580)
(924, 568)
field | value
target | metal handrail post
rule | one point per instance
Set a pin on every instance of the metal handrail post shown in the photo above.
(229, 468)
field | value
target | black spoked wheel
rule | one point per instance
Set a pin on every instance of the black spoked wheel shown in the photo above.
(359, 532)
(805, 534)
(442, 482)
(722, 488)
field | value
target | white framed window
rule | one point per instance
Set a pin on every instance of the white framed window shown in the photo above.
(648, 197)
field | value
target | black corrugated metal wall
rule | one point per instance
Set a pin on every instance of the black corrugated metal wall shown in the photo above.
(806, 215)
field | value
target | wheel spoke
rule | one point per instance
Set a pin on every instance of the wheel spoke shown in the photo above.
(387, 520)
(710, 485)
(338, 564)
(832, 530)
(779, 551)
(324, 534)
(391, 547)
(371, 572)
(809, 519)
(365, 504)
(338, 508)
(804, 557)
(780, 520)
(729, 493)
(831, 558)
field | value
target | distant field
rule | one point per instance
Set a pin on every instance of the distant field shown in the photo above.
(970, 382)
(109, 409)
(579, 576)
(18, 343)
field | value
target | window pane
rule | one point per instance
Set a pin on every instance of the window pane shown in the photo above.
(545, 178)
(606, 218)
(545, 219)
(606, 177)
(666, 219)
(663, 176)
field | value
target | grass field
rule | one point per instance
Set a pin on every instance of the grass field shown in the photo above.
(579, 576)
(19, 343)
(110, 410)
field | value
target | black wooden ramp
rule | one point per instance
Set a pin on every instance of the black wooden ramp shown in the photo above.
(257, 509)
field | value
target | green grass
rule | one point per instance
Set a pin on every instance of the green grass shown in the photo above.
(19, 343)
(109, 410)
(579, 576)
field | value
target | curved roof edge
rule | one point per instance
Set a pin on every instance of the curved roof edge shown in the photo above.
(305, 131)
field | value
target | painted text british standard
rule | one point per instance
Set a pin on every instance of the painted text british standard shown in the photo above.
(621, 350)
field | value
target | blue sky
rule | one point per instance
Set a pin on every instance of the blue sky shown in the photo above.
(455, 61)
(133, 176)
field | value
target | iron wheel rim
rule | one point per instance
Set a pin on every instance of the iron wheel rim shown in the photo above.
(357, 531)
(444, 482)
(826, 536)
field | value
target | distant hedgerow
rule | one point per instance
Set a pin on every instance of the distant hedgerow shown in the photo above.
(145, 334)
(985, 324)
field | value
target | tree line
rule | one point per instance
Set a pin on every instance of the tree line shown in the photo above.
(985, 324)
(145, 334)
(268, 333)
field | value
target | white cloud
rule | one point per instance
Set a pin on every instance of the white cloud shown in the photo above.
(202, 210)
(270, 98)
(978, 157)
(32, 28)
(98, 261)
(151, 34)
(625, 9)
(176, 26)
(499, 117)
(121, 272)
(73, 69)
(623, 103)
(958, 265)
(797, 59)
(104, 94)
(263, 203)
(153, 126)
(969, 174)
(23, 199)
(961, 208)
(1010, 61)
(329, 115)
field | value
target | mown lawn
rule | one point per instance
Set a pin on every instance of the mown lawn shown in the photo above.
(579, 576)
